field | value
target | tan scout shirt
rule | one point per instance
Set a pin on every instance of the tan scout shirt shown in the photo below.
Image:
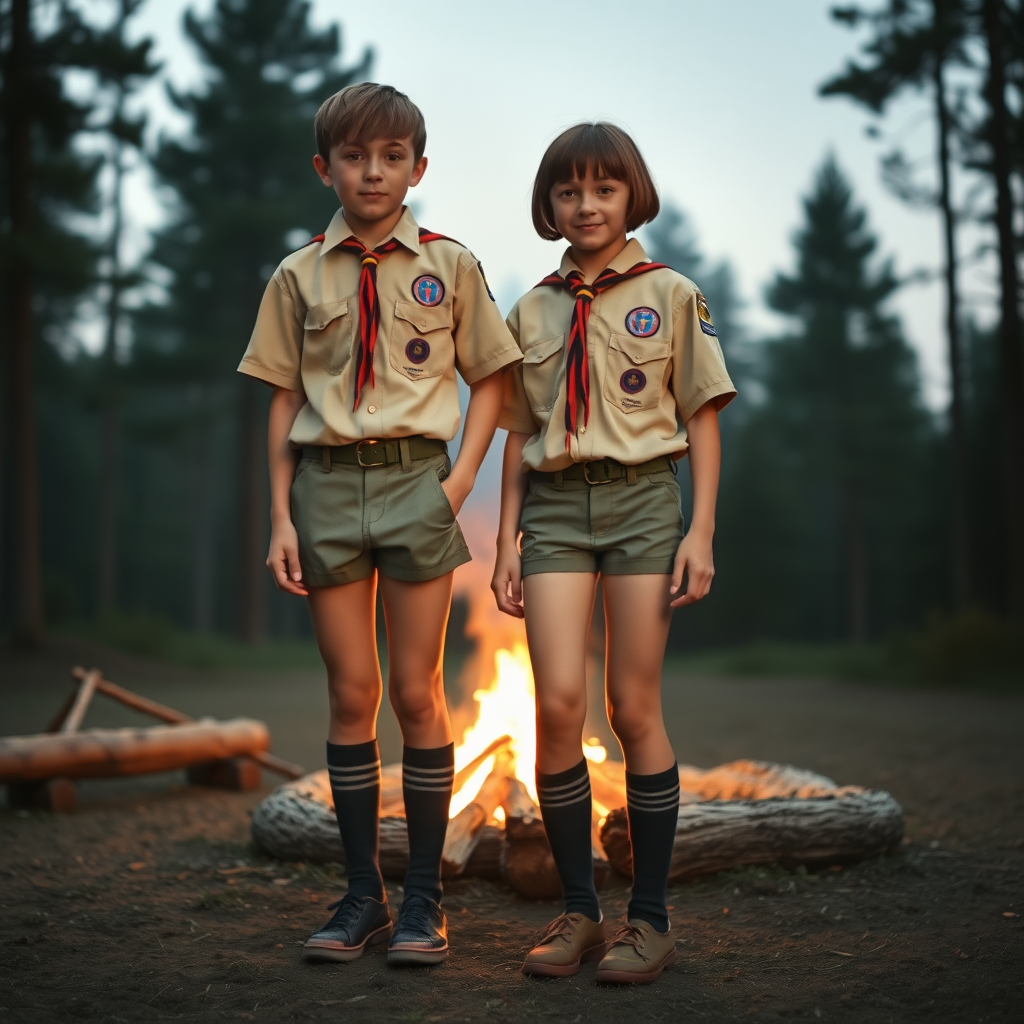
(652, 366)
(307, 330)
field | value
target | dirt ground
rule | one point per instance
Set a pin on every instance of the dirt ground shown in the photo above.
(149, 903)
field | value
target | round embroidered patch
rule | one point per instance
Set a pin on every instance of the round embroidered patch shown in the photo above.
(427, 290)
(417, 351)
(633, 381)
(642, 322)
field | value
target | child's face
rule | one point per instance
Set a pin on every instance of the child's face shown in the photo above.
(371, 178)
(590, 212)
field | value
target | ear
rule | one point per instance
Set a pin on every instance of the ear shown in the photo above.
(323, 168)
(418, 171)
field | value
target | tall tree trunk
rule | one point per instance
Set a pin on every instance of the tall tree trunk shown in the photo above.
(1011, 362)
(204, 511)
(29, 584)
(856, 569)
(253, 513)
(960, 555)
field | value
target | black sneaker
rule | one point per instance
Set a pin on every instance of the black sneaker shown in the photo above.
(359, 921)
(421, 933)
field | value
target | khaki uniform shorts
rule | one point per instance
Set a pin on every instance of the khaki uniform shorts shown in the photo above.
(352, 521)
(615, 528)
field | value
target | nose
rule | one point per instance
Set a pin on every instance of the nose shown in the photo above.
(373, 171)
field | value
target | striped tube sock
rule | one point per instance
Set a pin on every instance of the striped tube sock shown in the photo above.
(652, 803)
(565, 807)
(354, 770)
(427, 778)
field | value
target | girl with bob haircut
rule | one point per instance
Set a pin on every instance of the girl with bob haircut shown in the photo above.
(622, 376)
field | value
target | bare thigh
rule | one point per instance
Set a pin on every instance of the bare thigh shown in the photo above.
(558, 607)
(416, 615)
(344, 623)
(637, 618)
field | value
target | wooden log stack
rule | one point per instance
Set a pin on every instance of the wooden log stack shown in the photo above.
(738, 814)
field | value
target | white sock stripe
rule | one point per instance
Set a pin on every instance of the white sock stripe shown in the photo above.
(560, 792)
(366, 773)
(349, 788)
(646, 798)
(411, 769)
(641, 794)
(439, 788)
(348, 768)
(370, 777)
(654, 805)
(583, 780)
(549, 805)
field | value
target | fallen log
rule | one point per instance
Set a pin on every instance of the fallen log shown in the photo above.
(464, 829)
(715, 835)
(99, 753)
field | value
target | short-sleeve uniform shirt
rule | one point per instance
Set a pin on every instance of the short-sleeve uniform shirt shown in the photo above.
(436, 317)
(654, 360)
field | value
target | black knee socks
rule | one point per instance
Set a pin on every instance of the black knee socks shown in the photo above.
(427, 777)
(355, 782)
(565, 807)
(652, 802)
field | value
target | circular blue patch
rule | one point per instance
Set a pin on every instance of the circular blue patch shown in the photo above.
(633, 381)
(417, 351)
(642, 322)
(427, 290)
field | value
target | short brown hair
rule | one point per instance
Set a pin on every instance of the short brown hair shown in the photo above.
(361, 113)
(608, 152)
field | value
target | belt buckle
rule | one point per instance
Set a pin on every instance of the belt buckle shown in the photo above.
(359, 454)
(593, 483)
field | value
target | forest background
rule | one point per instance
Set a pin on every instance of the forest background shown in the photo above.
(867, 520)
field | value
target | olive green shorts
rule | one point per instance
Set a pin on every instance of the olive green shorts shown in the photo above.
(616, 528)
(352, 521)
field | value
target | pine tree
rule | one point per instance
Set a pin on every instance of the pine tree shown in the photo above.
(913, 45)
(246, 193)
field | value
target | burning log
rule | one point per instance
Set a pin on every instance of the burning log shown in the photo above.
(464, 829)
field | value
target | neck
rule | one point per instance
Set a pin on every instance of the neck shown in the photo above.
(592, 261)
(373, 232)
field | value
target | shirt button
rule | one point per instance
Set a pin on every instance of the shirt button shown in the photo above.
(371, 408)
(583, 430)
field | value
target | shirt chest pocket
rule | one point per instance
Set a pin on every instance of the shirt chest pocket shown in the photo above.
(543, 367)
(635, 371)
(421, 340)
(328, 337)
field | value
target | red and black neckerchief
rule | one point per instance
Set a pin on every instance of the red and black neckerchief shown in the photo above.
(577, 370)
(369, 304)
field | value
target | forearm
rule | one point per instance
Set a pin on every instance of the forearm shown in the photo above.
(513, 488)
(284, 407)
(485, 397)
(705, 459)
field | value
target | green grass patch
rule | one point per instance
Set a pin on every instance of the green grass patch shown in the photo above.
(843, 661)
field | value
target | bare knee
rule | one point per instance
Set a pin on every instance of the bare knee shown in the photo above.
(634, 722)
(353, 702)
(561, 713)
(417, 703)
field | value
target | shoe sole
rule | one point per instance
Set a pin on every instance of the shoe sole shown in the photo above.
(411, 957)
(315, 950)
(538, 969)
(635, 977)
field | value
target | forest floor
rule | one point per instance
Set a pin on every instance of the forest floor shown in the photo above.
(149, 903)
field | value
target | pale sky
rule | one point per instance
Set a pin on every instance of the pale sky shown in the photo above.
(720, 95)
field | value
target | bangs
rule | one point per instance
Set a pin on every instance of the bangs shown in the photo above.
(604, 150)
(366, 112)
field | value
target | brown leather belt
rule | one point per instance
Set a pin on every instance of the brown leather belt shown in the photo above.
(375, 452)
(606, 471)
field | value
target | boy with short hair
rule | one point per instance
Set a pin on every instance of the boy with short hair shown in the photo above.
(360, 333)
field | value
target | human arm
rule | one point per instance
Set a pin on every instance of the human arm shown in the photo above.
(694, 555)
(283, 557)
(507, 581)
(481, 422)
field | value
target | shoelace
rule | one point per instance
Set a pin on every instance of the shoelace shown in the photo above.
(559, 928)
(349, 907)
(416, 914)
(629, 935)
(577, 370)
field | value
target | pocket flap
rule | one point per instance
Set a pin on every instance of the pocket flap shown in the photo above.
(424, 318)
(318, 317)
(639, 350)
(541, 351)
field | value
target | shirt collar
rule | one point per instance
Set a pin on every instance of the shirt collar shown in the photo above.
(407, 231)
(632, 254)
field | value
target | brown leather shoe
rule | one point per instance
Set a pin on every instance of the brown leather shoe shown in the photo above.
(638, 955)
(568, 941)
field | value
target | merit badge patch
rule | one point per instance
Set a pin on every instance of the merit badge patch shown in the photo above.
(642, 322)
(417, 351)
(427, 290)
(486, 285)
(705, 317)
(633, 381)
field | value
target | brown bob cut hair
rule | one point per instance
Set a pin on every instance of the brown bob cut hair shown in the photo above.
(608, 152)
(361, 113)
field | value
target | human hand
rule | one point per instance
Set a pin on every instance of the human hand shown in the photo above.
(283, 559)
(693, 556)
(456, 489)
(507, 581)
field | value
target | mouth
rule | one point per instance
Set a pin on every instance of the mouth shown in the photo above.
(372, 195)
